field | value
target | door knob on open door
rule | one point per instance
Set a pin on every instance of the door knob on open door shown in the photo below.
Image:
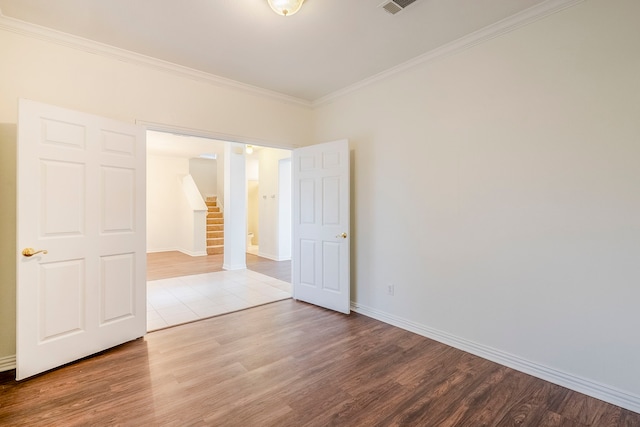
(343, 235)
(31, 252)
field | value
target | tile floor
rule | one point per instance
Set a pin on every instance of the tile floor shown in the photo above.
(184, 299)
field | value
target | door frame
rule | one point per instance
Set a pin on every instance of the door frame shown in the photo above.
(227, 138)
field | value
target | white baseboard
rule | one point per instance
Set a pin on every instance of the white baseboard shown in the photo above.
(184, 251)
(156, 250)
(7, 363)
(272, 257)
(590, 388)
(190, 253)
(234, 267)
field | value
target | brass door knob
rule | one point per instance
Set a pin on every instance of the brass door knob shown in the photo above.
(31, 252)
(343, 235)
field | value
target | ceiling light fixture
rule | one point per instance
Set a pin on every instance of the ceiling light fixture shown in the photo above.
(249, 149)
(285, 7)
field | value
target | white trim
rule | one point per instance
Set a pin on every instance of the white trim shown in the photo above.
(489, 32)
(272, 257)
(506, 25)
(217, 136)
(564, 379)
(155, 251)
(234, 267)
(174, 249)
(190, 253)
(7, 363)
(90, 46)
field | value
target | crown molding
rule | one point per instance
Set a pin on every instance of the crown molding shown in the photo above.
(504, 26)
(482, 35)
(85, 45)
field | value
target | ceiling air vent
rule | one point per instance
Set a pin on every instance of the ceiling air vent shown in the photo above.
(395, 6)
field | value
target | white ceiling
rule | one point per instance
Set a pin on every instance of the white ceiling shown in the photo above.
(327, 46)
(172, 145)
(167, 144)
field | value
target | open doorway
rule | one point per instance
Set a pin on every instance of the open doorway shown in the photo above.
(268, 172)
(184, 174)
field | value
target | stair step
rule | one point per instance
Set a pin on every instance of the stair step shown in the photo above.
(215, 250)
(215, 227)
(215, 242)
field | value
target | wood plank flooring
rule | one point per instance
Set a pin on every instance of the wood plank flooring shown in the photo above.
(165, 265)
(293, 364)
(277, 269)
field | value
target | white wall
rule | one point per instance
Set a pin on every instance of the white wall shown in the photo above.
(252, 167)
(268, 205)
(253, 211)
(176, 213)
(498, 189)
(48, 72)
(8, 146)
(205, 174)
(164, 202)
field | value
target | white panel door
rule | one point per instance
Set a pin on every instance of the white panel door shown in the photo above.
(320, 256)
(81, 201)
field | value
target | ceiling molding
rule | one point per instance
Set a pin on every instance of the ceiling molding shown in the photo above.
(504, 26)
(489, 32)
(90, 46)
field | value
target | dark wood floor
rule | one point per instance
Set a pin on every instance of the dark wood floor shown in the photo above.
(293, 364)
(164, 265)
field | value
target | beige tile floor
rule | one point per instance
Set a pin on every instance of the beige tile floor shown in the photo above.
(185, 299)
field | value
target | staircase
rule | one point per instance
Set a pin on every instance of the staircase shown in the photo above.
(215, 227)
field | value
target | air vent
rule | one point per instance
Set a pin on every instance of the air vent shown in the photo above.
(395, 6)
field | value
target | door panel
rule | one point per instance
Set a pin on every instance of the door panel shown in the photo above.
(61, 299)
(62, 213)
(81, 197)
(117, 287)
(320, 258)
(118, 200)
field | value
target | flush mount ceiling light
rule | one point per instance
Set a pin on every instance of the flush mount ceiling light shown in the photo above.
(285, 7)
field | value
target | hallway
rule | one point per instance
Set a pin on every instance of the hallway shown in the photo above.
(182, 289)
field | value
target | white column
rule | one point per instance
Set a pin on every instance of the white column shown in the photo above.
(235, 207)
(284, 209)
